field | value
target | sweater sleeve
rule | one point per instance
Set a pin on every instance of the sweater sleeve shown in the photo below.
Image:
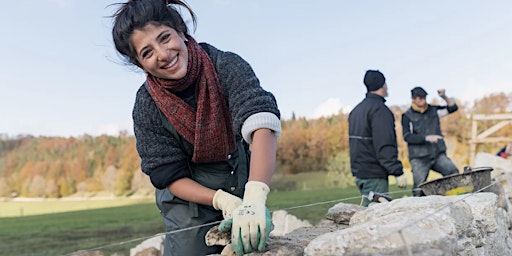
(162, 158)
(246, 97)
(384, 141)
(452, 108)
(259, 121)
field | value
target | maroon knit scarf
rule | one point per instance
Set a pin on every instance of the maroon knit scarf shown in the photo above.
(210, 128)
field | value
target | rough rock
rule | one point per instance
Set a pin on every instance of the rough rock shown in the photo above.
(155, 242)
(341, 213)
(285, 223)
(433, 225)
(150, 251)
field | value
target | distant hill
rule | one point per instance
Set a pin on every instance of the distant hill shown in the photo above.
(59, 167)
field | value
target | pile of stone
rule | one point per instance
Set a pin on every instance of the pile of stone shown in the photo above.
(468, 224)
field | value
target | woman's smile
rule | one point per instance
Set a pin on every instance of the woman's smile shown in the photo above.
(161, 51)
(172, 63)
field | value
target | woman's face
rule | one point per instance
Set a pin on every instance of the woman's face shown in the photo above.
(161, 51)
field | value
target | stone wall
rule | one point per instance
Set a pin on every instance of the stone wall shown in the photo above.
(469, 224)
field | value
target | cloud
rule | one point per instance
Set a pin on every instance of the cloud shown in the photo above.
(329, 107)
(113, 129)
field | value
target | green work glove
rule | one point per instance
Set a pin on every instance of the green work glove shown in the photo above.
(401, 181)
(226, 225)
(226, 202)
(251, 221)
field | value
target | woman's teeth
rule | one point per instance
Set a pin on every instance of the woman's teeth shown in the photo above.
(172, 62)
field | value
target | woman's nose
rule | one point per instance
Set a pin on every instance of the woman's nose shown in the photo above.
(162, 54)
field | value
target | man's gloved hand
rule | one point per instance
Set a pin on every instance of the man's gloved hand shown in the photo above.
(226, 202)
(401, 181)
(251, 221)
(433, 138)
(442, 93)
(503, 155)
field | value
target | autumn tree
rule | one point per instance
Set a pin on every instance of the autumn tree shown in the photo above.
(4, 188)
(338, 171)
(59, 167)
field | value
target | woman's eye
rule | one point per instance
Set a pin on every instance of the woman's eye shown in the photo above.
(166, 37)
(146, 54)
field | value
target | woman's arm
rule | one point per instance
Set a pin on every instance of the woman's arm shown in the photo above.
(263, 155)
(189, 190)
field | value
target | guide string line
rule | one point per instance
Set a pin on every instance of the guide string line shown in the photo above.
(408, 224)
(77, 253)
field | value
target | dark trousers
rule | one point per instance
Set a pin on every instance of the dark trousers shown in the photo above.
(422, 166)
(365, 186)
(179, 214)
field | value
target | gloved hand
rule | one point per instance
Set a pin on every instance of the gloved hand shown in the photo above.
(503, 155)
(401, 181)
(251, 220)
(442, 93)
(433, 138)
(226, 225)
(226, 202)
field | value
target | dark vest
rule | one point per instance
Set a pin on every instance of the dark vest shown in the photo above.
(426, 123)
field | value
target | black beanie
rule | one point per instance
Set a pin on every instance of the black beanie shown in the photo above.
(374, 80)
(418, 92)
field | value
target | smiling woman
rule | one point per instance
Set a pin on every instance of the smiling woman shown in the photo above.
(195, 117)
(161, 51)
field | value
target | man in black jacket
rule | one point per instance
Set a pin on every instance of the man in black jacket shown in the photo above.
(422, 132)
(372, 138)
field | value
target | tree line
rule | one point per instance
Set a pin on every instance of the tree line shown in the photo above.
(59, 167)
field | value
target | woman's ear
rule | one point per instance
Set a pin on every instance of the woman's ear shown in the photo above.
(183, 36)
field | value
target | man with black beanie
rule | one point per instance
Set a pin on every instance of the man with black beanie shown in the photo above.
(422, 132)
(372, 140)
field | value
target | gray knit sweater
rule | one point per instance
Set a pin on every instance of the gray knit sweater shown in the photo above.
(163, 157)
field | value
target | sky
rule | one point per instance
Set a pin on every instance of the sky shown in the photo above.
(61, 76)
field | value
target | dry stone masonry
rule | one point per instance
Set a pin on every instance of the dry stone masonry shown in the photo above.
(468, 224)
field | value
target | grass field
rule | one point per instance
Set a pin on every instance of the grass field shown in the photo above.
(63, 233)
(48, 206)
(54, 227)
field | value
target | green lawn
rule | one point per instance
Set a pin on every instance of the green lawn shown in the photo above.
(47, 206)
(63, 233)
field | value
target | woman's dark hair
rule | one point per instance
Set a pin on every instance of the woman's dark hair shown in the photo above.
(135, 14)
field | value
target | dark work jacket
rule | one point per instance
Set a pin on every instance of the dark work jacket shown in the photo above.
(416, 126)
(372, 138)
